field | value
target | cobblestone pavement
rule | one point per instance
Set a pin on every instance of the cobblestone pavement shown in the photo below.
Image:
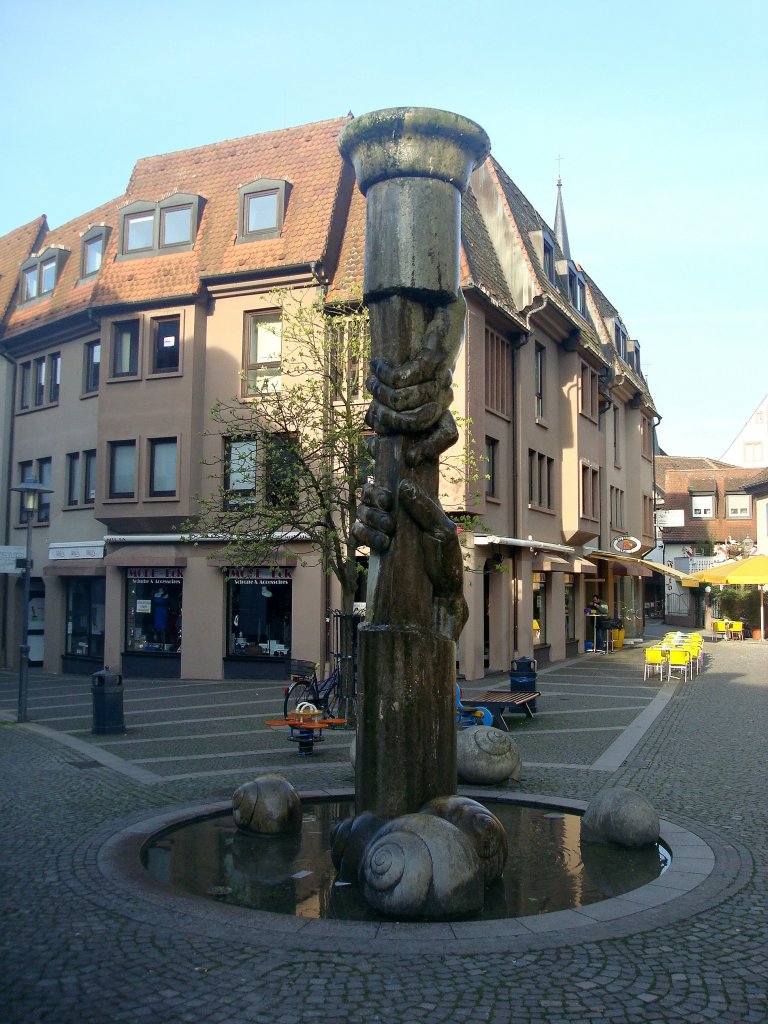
(80, 944)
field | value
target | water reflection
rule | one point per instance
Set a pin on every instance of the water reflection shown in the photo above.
(548, 868)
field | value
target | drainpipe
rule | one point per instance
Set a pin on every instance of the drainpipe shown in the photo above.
(8, 482)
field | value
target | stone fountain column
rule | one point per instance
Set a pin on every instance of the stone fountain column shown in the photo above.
(412, 164)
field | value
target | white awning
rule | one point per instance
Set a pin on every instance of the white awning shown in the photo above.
(519, 542)
(646, 564)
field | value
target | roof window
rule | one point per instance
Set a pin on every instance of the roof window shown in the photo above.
(261, 209)
(40, 273)
(151, 229)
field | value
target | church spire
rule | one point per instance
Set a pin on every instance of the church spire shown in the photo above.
(561, 231)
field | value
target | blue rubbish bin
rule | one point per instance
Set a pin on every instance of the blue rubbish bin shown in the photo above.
(107, 695)
(522, 674)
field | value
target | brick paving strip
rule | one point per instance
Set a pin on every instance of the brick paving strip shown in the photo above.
(88, 938)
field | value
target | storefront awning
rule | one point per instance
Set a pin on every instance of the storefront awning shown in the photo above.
(482, 539)
(644, 564)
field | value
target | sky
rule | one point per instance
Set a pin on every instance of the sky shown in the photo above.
(656, 114)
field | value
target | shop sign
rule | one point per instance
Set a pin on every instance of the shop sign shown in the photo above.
(670, 517)
(626, 545)
(153, 575)
(9, 557)
(258, 574)
(76, 550)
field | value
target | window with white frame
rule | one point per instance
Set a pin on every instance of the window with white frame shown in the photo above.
(703, 506)
(588, 393)
(738, 506)
(262, 357)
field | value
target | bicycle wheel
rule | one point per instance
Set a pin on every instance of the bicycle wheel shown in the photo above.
(332, 697)
(297, 693)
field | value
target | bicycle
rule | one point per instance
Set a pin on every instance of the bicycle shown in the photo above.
(325, 696)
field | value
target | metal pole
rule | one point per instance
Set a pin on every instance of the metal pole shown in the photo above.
(24, 648)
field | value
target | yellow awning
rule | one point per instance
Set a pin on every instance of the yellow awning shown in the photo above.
(644, 563)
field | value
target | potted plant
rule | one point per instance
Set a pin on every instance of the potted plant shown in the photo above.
(742, 604)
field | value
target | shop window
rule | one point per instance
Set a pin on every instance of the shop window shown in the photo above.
(166, 344)
(125, 348)
(85, 617)
(122, 469)
(162, 467)
(262, 362)
(539, 608)
(92, 356)
(570, 606)
(261, 209)
(259, 612)
(153, 610)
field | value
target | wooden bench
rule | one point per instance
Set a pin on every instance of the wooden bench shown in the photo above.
(518, 701)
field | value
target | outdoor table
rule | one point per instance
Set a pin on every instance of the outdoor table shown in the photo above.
(595, 616)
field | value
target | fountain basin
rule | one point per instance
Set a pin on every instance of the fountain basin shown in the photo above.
(548, 870)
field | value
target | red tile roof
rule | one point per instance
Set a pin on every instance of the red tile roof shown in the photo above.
(68, 296)
(15, 247)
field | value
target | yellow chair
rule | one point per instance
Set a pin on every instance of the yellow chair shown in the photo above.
(679, 660)
(735, 630)
(655, 660)
(697, 657)
(718, 628)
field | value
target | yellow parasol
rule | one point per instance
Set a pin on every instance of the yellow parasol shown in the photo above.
(744, 572)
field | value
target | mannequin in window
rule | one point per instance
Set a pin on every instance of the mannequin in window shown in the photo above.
(160, 614)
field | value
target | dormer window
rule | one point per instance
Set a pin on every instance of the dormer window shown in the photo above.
(40, 273)
(620, 338)
(94, 241)
(150, 229)
(577, 290)
(549, 260)
(261, 209)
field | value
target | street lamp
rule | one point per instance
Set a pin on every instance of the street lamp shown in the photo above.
(30, 491)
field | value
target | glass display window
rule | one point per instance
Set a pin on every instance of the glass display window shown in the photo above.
(153, 610)
(539, 608)
(85, 617)
(259, 612)
(570, 606)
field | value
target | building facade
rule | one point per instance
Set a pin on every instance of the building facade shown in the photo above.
(709, 514)
(123, 327)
